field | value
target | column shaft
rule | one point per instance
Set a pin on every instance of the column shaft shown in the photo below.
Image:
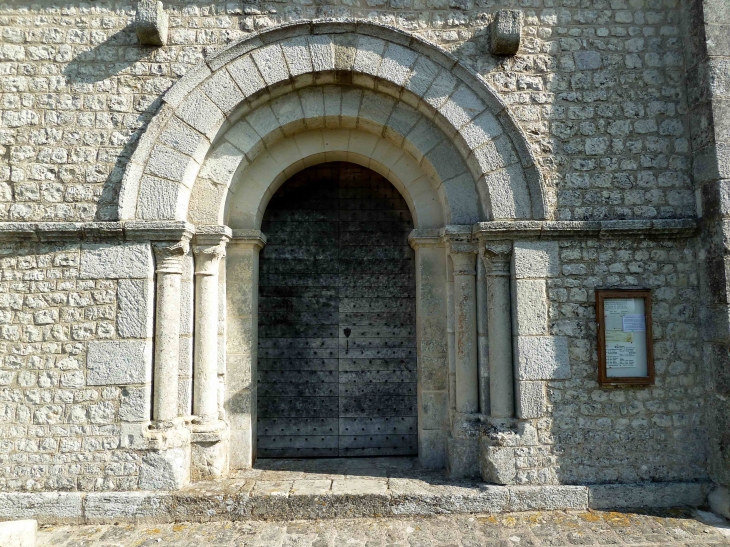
(167, 329)
(205, 398)
(499, 331)
(465, 332)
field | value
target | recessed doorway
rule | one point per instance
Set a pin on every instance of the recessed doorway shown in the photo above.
(337, 367)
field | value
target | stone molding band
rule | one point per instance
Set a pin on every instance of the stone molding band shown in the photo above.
(550, 229)
(177, 230)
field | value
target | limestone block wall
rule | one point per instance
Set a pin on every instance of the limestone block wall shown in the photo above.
(75, 365)
(634, 434)
(600, 90)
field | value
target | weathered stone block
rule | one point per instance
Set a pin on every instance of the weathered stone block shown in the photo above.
(201, 113)
(531, 307)
(510, 198)
(535, 259)
(209, 455)
(271, 64)
(505, 32)
(110, 507)
(151, 23)
(671, 494)
(432, 448)
(45, 507)
(165, 469)
(587, 60)
(116, 261)
(531, 399)
(18, 533)
(415, 497)
(548, 498)
(434, 410)
(719, 500)
(542, 358)
(497, 463)
(134, 308)
(246, 75)
(462, 457)
(135, 404)
(221, 89)
(114, 362)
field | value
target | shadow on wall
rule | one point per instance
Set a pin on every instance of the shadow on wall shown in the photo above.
(92, 71)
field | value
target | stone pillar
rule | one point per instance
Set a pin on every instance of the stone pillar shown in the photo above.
(432, 347)
(463, 257)
(209, 432)
(483, 339)
(496, 258)
(169, 257)
(462, 443)
(239, 400)
(208, 253)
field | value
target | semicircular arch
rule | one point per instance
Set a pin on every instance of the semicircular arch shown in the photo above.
(403, 77)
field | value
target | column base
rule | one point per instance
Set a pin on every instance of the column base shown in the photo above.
(462, 457)
(166, 464)
(500, 441)
(719, 500)
(209, 450)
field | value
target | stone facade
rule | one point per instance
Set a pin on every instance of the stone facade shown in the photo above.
(135, 180)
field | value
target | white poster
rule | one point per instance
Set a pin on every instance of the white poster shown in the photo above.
(625, 325)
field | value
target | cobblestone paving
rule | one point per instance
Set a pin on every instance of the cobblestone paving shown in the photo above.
(673, 528)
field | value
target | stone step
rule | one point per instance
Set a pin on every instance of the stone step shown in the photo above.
(314, 496)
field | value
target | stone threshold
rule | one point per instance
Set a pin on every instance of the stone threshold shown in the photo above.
(300, 489)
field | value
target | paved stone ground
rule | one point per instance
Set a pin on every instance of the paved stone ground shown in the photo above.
(672, 528)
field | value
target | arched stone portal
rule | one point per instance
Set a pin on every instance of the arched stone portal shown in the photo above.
(233, 130)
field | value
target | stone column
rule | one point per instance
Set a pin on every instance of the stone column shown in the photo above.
(209, 433)
(462, 443)
(208, 252)
(499, 329)
(483, 340)
(169, 257)
(463, 257)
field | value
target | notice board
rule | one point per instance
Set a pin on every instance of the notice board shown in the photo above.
(625, 349)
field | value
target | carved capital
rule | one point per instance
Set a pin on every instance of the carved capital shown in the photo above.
(169, 256)
(463, 258)
(207, 258)
(496, 257)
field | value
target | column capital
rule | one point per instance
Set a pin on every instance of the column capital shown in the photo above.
(209, 246)
(463, 257)
(169, 255)
(208, 256)
(248, 238)
(496, 256)
(425, 238)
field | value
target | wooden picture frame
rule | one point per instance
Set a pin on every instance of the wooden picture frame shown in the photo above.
(621, 359)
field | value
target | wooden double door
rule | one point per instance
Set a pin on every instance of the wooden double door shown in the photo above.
(336, 341)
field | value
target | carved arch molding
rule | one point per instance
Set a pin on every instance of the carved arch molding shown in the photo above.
(225, 118)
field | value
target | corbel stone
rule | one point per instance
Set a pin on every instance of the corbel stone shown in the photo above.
(506, 32)
(151, 23)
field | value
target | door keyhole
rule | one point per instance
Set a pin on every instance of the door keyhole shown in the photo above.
(347, 332)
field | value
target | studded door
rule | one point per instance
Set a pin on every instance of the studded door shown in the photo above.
(337, 354)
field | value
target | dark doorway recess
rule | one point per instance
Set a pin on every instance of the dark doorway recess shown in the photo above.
(337, 349)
